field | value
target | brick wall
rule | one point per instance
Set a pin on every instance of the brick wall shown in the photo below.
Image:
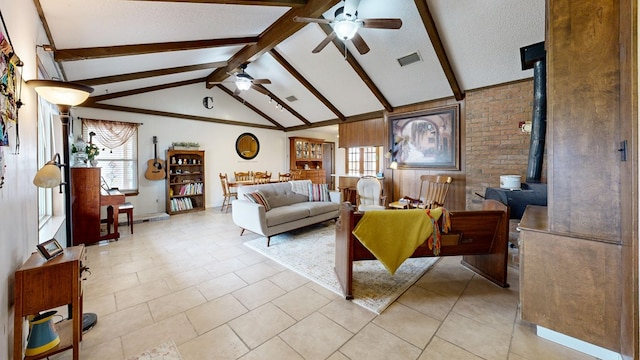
(494, 144)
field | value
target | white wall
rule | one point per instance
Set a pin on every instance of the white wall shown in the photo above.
(218, 142)
(18, 196)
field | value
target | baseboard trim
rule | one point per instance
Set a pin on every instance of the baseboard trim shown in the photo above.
(576, 344)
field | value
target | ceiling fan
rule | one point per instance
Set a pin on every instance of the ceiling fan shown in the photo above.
(346, 23)
(245, 82)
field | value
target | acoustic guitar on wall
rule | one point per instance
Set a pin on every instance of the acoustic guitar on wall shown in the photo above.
(155, 166)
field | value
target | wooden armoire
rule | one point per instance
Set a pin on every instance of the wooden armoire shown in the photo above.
(579, 255)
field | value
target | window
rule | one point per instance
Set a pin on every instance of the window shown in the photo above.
(363, 160)
(46, 152)
(118, 157)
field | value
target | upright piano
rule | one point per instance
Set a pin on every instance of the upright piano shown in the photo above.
(87, 198)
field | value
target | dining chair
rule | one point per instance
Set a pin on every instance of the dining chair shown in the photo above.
(436, 189)
(369, 194)
(284, 177)
(243, 176)
(262, 178)
(261, 174)
(226, 192)
(296, 175)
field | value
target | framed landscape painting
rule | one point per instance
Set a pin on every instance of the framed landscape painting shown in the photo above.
(426, 139)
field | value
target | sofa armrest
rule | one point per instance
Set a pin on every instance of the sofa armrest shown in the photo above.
(249, 215)
(336, 196)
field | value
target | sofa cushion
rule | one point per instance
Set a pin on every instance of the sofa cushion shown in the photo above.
(317, 207)
(319, 192)
(277, 194)
(285, 214)
(258, 197)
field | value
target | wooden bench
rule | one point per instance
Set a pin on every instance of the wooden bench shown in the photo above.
(481, 236)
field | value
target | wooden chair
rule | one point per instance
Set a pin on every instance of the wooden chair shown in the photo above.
(261, 174)
(284, 177)
(243, 176)
(296, 175)
(436, 188)
(369, 195)
(262, 178)
(226, 192)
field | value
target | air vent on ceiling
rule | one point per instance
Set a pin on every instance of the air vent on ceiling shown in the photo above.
(291, 98)
(409, 59)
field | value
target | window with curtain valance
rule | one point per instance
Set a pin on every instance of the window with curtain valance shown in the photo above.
(118, 158)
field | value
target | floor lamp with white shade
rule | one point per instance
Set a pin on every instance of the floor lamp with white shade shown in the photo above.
(65, 95)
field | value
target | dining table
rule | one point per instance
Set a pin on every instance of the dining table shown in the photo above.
(247, 182)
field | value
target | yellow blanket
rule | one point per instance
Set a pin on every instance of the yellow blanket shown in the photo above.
(393, 235)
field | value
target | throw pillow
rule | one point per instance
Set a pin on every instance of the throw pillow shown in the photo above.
(319, 192)
(258, 197)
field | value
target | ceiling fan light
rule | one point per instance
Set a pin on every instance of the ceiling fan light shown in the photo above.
(243, 83)
(345, 29)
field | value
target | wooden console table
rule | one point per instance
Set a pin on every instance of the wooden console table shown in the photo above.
(42, 285)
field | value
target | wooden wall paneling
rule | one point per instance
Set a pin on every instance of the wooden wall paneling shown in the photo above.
(406, 181)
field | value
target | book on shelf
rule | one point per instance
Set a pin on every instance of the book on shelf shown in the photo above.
(180, 204)
(191, 189)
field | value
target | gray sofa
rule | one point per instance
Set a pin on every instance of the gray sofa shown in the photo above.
(289, 210)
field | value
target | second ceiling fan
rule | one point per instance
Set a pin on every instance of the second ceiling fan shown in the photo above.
(346, 23)
(245, 82)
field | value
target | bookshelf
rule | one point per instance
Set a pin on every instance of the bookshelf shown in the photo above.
(185, 181)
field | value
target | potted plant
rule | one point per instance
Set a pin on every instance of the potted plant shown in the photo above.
(185, 145)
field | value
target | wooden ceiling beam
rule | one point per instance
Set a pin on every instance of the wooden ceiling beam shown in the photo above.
(255, 109)
(276, 33)
(139, 49)
(438, 46)
(355, 118)
(287, 3)
(173, 115)
(285, 64)
(358, 69)
(147, 74)
(115, 95)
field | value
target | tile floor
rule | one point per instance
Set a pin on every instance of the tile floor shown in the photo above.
(191, 279)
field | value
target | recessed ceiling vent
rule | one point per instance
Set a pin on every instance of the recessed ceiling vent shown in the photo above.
(291, 98)
(409, 59)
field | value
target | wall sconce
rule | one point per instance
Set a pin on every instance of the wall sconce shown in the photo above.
(49, 175)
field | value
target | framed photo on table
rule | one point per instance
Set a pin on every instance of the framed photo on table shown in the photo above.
(50, 249)
(426, 139)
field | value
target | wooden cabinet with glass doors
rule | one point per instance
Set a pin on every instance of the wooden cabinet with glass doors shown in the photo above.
(305, 156)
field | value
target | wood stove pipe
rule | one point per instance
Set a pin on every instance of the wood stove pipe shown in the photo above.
(533, 56)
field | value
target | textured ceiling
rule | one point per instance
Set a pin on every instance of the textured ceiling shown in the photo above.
(478, 43)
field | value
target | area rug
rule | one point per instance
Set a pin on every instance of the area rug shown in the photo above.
(165, 351)
(310, 251)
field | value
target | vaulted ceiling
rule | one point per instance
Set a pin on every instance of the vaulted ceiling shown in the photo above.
(161, 57)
